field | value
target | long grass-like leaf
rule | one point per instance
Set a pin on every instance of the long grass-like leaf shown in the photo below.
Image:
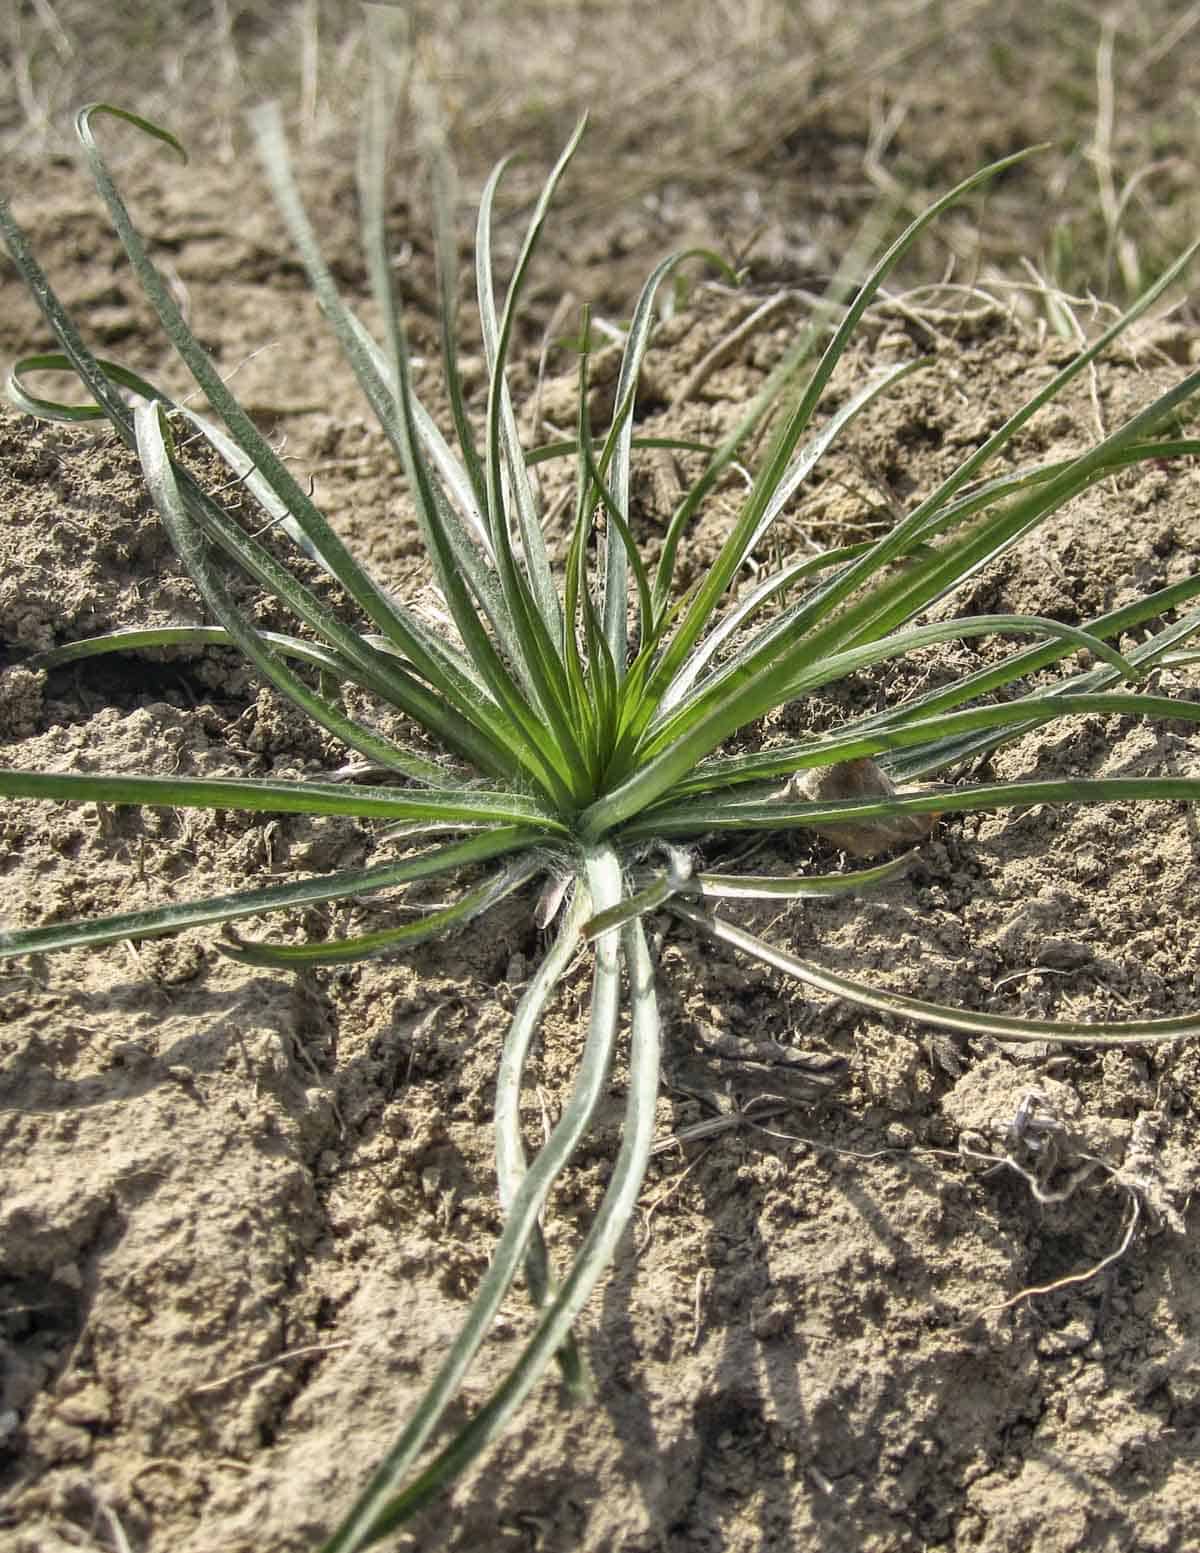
(762, 679)
(530, 748)
(459, 669)
(1020, 665)
(375, 1517)
(532, 599)
(683, 881)
(56, 409)
(757, 683)
(446, 249)
(369, 946)
(504, 451)
(155, 921)
(400, 423)
(511, 1163)
(459, 732)
(779, 456)
(1005, 1027)
(372, 599)
(375, 1511)
(188, 540)
(756, 814)
(614, 604)
(966, 556)
(737, 618)
(853, 744)
(767, 887)
(141, 640)
(255, 796)
(825, 670)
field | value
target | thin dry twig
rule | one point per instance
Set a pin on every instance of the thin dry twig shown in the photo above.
(1036, 1128)
(1063, 308)
(115, 1529)
(713, 1125)
(1135, 1211)
(673, 1186)
(266, 1364)
(1041, 1194)
(729, 346)
(697, 1301)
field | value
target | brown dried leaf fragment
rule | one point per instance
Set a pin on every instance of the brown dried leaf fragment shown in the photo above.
(860, 778)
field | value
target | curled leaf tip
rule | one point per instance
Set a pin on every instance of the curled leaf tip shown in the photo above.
(83, 126)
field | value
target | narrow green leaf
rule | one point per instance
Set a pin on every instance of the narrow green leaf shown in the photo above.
(771, 494)
(241, 547)
(376, 1515)
(766, 669)
(812, 673)
(459, 670)
(63, 328)
(569, 448)
(248, 795)
(139, 640)
(735, 697)
(503, 438)
(460, 517)
(188, 541)
(773, 471)
(156, 921)
(541, 748)
(534, 605)
(511, 1163)
(446, 248)
(459, 732)
(1075, 1032)
(755, 814)
(147, 127)
(372, 599)
(379, 1508)
(614, 605)
(369, 946)
(56, 410)
(575, 592)
(1020, 665)
(883, 650)
(511, 728)
(736, 887)
(763, 887)
(615, 510)
(744, 611)
(853, 744)
(957, 562)
(675, 881)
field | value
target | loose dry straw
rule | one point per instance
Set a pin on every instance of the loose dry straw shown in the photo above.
(266, 1364)
(1063, 1283)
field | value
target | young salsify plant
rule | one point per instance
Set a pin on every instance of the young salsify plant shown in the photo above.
(581, 714)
